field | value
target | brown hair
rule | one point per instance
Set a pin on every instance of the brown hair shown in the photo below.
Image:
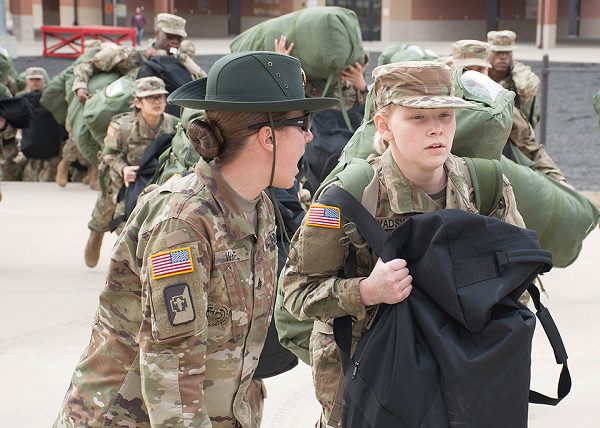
(224, 133)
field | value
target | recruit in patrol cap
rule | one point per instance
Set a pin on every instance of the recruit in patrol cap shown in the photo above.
(35, 73)
(471, 53)
(416, 84)
(251, 82)
(502, 41)
(171, 24)
(147, 86)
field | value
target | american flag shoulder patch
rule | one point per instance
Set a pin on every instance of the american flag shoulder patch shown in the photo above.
(172, 262)
(323, 216)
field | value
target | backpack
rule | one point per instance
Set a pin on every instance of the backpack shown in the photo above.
(330, 136)
(171, 71)
(326, 39)
(44, 137)
(458, 349)
(487, 181)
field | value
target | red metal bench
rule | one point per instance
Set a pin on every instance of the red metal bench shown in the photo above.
(69, 42)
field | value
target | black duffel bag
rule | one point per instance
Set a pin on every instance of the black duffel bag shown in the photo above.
(457, 351)
(16, 111)
(44, 136)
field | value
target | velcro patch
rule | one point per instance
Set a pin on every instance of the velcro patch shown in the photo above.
(323, 216)
(172, 262)
(180, 307)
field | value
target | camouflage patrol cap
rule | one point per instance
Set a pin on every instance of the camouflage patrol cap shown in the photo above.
(416, 84)
(35, 73)
(502, 41)
(471, 53)
(147, 86)
(171, 24)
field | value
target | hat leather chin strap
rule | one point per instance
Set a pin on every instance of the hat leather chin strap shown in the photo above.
(274, 149)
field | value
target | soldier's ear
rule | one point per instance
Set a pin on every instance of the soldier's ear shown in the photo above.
(382, 125)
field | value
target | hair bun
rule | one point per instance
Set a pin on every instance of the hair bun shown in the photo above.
(206, 138)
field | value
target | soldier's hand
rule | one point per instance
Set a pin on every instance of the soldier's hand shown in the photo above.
(388, 283)
(564, 182)
(129, 174)
(355, 75)
(280, 46)
(2, 123)
(82, 94)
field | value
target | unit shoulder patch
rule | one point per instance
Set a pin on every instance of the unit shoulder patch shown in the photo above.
(172, 262)
(178, 301)
(323, 216)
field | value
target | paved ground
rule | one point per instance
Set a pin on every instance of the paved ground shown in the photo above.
(49, 297)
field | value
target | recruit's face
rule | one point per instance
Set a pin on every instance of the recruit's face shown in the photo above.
(291, 142)
(151, 106)
(35, 84)
(420, 138)
(166, 41)
(501, 61)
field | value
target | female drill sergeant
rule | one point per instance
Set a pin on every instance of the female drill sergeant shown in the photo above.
(415, 174)
(189, 291)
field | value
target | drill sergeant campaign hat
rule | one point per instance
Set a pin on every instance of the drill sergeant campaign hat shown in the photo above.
(471, 53)
(502, 41)
(416, 84)
(171, 24)
(35, 73)
(251, 82)
(147, 86)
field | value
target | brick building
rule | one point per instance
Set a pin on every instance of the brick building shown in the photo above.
(544, 21)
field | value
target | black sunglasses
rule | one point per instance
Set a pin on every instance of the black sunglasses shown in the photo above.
(301, 122)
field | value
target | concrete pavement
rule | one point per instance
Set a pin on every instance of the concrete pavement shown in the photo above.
(571, 51)
(49, 297)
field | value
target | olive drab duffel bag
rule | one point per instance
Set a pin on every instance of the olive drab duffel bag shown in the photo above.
(457, 351)
(76, 123)
(99, 109)
(326, 39)
(562, 216)
(398, 52)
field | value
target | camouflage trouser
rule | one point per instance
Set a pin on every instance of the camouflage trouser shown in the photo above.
(256, 395)
(41, 169)
(72, 153)
(106, 205)
(9, 170)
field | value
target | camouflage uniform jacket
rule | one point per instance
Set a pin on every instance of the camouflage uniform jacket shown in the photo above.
(523, 136)
(179, 348)
(127, 137)
(311, 285)
(343, 90)
(525, 83)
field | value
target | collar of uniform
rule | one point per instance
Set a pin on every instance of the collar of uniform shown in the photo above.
(236, 221)
(406, 198)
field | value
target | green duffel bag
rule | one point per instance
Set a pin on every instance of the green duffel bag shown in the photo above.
(405, 52)
(597, 105)
(76, 124)
(57, 93)
(482, 130)
(326, 39)
(99, 109)
(181, 156)
(562, 217)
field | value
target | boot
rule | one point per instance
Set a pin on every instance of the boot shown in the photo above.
(92, 248)
(93, 177)
(62, 172)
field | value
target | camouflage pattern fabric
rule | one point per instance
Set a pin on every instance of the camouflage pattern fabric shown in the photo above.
(342, 90)
(10, 170)
(127, 138)
(502, 41)
(41, 169)
(72, 153)
(179, 348)
(417, 84)
(467, 53)
(523, 136)
(311, 287)
(525, 83)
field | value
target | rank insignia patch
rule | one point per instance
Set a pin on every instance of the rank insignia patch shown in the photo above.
(323, 216)
(173, 262)
(178, 301)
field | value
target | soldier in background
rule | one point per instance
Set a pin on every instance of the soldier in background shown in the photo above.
(472, 55)
(125, 60)
(127, 137)
(38, 169)
(513, 75)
